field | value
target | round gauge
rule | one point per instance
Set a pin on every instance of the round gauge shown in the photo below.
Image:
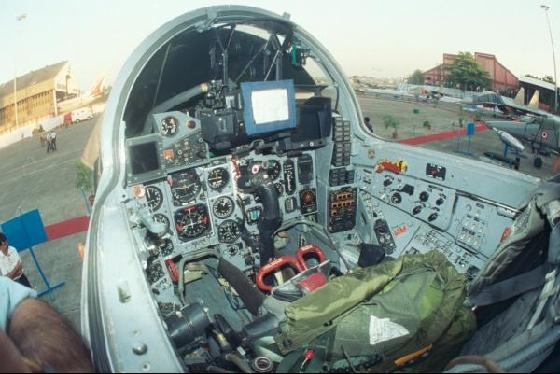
(192, 222)
(160, 246)
(228, 231)
(223, 207)
(185, 186)
(274, 169)
(166, 247)
(162, 219)
(233, 250)
(218, 178)
(154, 197)
(154, 271)
(168, 126)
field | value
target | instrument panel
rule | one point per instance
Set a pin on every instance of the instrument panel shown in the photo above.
(409, 215)
(175, 143)
(203, 207)
(428, 202)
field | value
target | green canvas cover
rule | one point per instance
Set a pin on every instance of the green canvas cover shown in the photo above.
(390, 310)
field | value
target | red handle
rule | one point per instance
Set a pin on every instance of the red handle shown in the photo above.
(274, 266)
(306, 250)
(173, 271)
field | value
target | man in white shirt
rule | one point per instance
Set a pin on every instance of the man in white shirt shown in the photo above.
(53, 140)
(49, 141)
(10, 262)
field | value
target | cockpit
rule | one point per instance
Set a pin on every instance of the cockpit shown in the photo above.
(249, 182)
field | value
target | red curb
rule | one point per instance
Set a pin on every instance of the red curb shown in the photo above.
(438, 136)
(68, 227)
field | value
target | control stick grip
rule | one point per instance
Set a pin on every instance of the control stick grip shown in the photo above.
(271, 217)
(269, 198)
(270, 220)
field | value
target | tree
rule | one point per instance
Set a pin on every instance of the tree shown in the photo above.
(391, 121)
(417, 77)
(84, 182)
(467, 74)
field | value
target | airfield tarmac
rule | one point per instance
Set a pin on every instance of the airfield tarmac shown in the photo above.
(32, 179)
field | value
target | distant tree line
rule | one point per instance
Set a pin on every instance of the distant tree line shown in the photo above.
(417, 77)
(464, 73)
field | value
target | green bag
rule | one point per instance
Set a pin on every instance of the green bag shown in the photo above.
(397, 311)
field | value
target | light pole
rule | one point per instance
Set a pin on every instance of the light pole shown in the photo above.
(19, 18)
(546, 9)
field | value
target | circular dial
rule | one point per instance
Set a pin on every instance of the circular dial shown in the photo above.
(223, 207)
(166, 248)
(218, 178)
(274, 169)
(192, 222)
(228, 231)
(161, 218)
(159, 246)
(154, 271)
(168, 126)
(185, 186)
(154, 197)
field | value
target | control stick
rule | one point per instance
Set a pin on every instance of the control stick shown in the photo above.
(258, 182)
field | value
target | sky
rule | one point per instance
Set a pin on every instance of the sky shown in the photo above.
(379, 38)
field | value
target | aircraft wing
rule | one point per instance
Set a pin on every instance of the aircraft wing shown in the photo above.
(523, 110)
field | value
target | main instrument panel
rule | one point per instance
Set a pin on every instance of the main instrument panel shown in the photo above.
(202, 206)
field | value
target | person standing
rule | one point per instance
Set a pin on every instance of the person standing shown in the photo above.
(49, 141)
(53, 140)
(10, 263)
(367, 122)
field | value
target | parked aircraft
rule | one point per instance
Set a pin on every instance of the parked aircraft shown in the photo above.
(541, 134)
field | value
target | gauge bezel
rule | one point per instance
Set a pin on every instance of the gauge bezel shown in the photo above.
(165, 219)
(225, 223)
(163, 126)
(214, 207)
(224, 180)
(159, 192)
(182, 200)
(198, 209)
